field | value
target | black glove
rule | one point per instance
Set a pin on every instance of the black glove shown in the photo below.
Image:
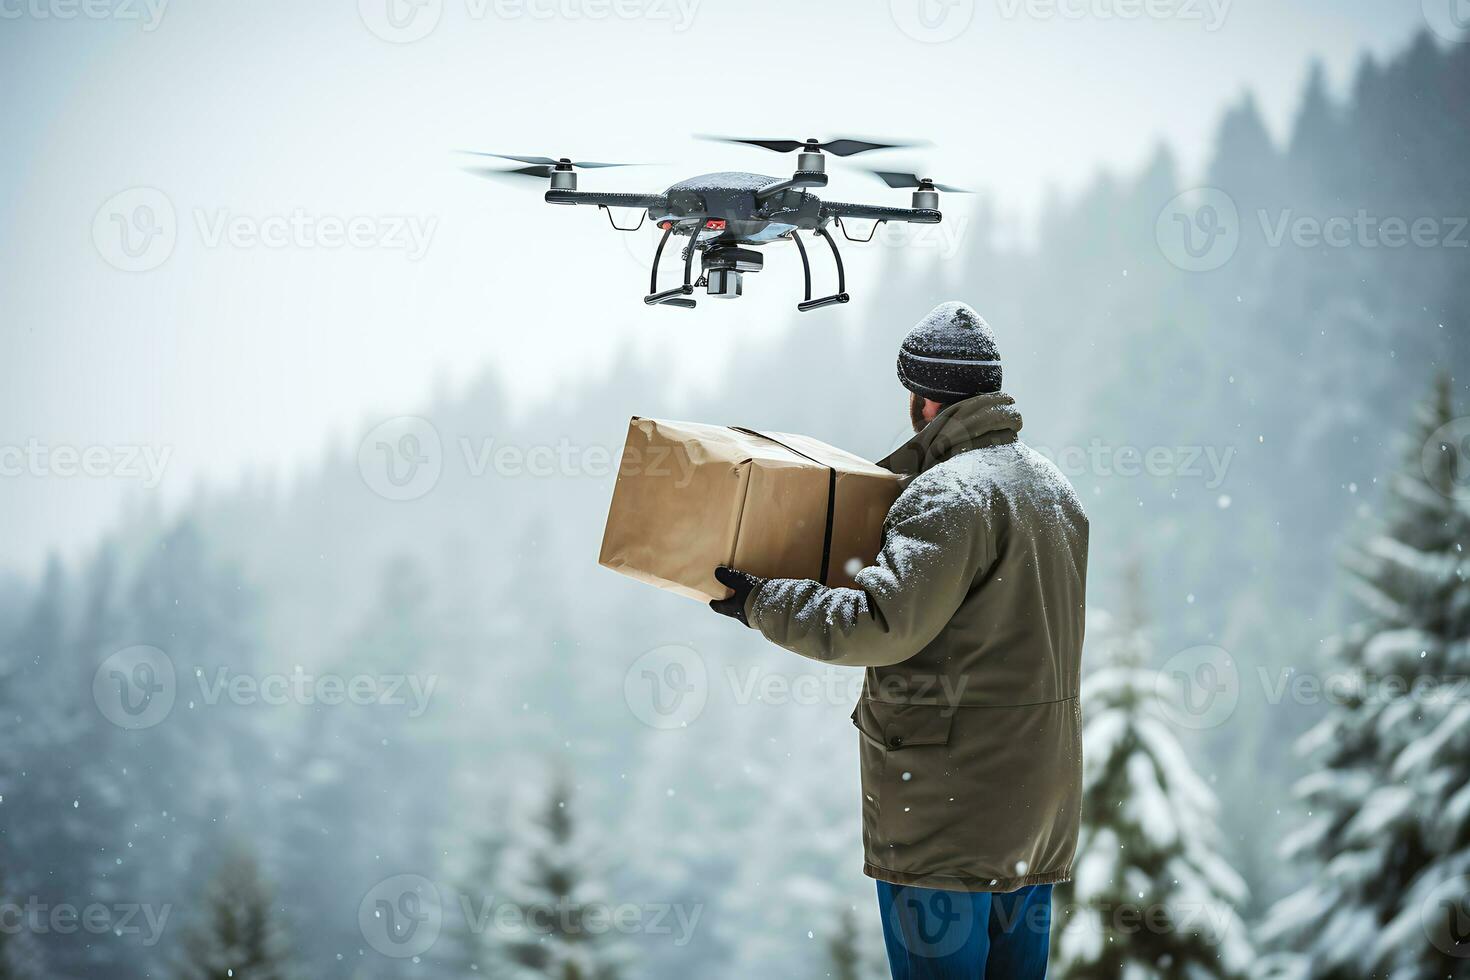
(743, 583)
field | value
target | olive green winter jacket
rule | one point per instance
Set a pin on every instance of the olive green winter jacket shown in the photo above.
(970, 627)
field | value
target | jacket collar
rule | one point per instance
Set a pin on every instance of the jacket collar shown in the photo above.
(983, 420)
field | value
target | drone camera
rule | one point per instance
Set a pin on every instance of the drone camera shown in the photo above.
(725, 268)
(724, 284)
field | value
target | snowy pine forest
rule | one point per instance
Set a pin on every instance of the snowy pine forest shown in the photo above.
(395, 732)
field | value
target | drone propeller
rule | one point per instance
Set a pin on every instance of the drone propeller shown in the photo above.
(495, 173)
(900, 180)
(546, 161)
(837, 147)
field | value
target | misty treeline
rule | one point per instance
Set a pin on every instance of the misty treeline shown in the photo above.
(410, 737)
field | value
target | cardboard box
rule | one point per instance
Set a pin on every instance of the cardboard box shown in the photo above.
(691, 496)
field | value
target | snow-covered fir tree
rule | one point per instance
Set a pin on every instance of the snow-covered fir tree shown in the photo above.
(238, 932)
(1386, 842)
(1151, 894)
(61, 815)
(553, 878)
(798, 853)
(470, 942)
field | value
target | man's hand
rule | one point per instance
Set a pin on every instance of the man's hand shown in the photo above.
(743, 584)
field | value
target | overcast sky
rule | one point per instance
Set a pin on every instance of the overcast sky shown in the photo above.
(225, 325)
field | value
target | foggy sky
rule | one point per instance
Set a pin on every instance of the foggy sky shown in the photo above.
(274, 118)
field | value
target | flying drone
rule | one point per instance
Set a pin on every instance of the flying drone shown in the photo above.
(727, 216)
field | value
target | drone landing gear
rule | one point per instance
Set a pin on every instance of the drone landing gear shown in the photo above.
(679, 295)
(806, 272)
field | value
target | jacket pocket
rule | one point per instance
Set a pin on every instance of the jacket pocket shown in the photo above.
(906, 780)
(895, 726)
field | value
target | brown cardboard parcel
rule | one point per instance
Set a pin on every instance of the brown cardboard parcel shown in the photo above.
(689, 497)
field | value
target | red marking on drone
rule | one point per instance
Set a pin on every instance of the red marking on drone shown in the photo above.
(715, 224)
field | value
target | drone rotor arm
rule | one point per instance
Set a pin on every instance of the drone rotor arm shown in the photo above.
(877, 212)
(609, 199)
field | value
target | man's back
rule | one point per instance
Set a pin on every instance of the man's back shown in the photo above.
(1020, 627)
(1004, 804)
(970, 625)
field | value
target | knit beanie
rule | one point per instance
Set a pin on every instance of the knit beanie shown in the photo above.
(950, 355)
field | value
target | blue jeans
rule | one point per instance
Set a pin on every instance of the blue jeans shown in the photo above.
(943, 935)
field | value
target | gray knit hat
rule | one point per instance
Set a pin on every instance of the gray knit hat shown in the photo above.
(950, 355)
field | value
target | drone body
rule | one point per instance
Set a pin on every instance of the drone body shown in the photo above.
(727, 216)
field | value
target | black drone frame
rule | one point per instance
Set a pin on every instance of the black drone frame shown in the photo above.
(745, 211)
(680, 296)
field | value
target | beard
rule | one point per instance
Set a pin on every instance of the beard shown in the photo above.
(916, 412)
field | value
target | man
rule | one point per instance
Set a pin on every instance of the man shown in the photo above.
(970, 628)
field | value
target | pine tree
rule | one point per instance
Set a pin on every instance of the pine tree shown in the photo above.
(238, 934)
(47, 840)
(368, 826)
(474, 950)
(1151, 895)
(20, 954)
(846, 952)
(1387, 834)
(551, 878)
(1316, 139)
